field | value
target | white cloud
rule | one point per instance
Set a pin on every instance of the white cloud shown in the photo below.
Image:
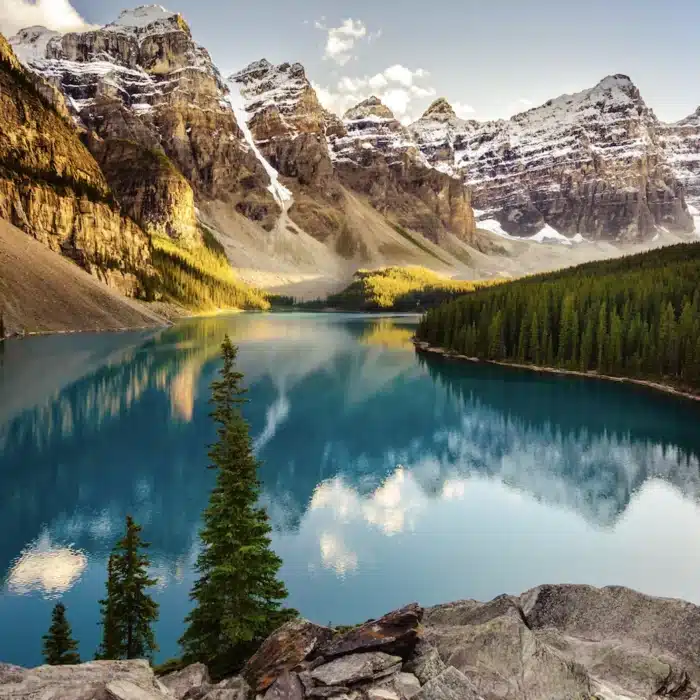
(346, 84)
(397, 100)
(58, 15)
(395, 86)
(377, 82)
(422, 92)
(463, 110)
(520, 105)
(341, 40)
(399, 74)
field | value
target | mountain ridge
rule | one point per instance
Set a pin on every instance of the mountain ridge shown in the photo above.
(294, 192)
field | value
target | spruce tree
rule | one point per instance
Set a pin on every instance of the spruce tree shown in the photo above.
(128, 612)
(112, 646)
(237, 596)
(60, 648)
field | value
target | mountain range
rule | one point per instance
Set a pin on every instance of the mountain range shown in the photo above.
(121, 135)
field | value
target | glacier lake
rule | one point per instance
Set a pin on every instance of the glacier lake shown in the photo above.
(388, 477)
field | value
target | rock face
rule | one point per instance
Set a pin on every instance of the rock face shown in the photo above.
(681, 142)
(52, 187)
(368, 152)
(571, 641)
(143, 79)
(591, 163)
(395, 633)
(378, 157)
(111, 680)
(284, 651)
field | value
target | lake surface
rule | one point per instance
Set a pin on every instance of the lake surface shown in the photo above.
(389, 478)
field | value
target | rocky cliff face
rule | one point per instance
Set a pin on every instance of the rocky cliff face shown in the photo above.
(368, 152)
(591, 163)
(52, 187)
(378, 157)
(144, 80)
(681, 143)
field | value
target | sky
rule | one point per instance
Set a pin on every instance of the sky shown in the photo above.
(489, 58)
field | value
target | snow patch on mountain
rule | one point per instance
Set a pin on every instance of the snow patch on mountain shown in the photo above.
(264, 85)
(30, 44)
(238, 103)
(372, 126)
(546, 235)
(141, 17)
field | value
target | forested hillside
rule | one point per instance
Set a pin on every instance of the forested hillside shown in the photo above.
(410, 288)
(637, 316)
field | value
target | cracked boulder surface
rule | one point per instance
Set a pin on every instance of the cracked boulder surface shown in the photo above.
(571, 641)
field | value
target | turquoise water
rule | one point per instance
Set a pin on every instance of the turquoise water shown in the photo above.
(388, 478)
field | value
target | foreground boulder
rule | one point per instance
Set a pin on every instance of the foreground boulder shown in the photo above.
(96, 680)
(551, 643)
(284, 650)
(395, 633)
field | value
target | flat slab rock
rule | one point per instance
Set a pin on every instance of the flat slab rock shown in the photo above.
(395, 633)
(451, 684)
(179, 683)
(283, 651)
(108, 680)
(356, 667)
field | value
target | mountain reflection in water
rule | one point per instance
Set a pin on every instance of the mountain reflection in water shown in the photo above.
(388, 477)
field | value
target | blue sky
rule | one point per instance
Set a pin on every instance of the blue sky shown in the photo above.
(490, 57)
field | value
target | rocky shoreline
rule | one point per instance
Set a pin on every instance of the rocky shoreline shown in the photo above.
(428, 349)
(554, 642)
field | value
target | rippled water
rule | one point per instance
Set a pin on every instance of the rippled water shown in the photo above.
(388, 478)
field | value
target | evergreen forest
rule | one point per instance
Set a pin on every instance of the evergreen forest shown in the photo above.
(637, 316)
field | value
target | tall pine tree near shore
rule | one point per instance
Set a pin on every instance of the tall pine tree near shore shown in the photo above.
(238, 597)
(60, 648)
(128, 612)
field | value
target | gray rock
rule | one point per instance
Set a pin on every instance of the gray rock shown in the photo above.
(426, 663)
(286, 687)
(382, 693)
(122, 680)
(395, 633)
(283, 651)
(11, 674)
(306, 680)
(407, 685)
(126, 690)
(327, 691)
(451, 684)
(230, 689)
(180, 683)
(356, 667)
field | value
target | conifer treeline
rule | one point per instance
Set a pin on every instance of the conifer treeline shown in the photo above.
(637, 316)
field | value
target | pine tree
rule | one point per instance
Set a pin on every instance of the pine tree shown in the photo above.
(128, 612)
(238, 596)
(60, 648)
(112, 646)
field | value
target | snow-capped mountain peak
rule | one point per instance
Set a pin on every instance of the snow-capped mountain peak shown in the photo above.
(143, 17)
(30, 43)
(440, 110)
(371, 107)
(551, 164)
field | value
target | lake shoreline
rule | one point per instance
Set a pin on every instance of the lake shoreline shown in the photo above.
(424, 347)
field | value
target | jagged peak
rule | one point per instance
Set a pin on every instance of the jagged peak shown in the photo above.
(144, 16)
(30, 43)
(371, 107)
(617, 80)
(257, 70)
(440, 110)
